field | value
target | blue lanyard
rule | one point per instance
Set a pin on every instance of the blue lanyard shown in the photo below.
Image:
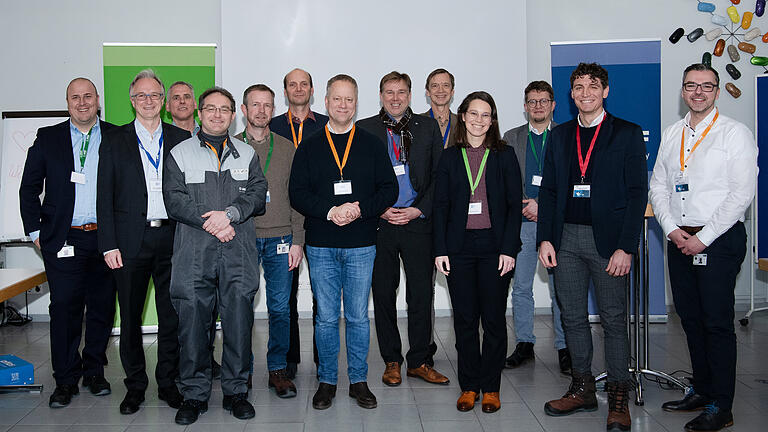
(155, 162)
(447, 129)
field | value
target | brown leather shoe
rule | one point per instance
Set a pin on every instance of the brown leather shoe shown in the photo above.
(391, 376)
(467, 400)
(428, 374)
(579, 397)
(491, 402)
(283, 386)
(618, 407)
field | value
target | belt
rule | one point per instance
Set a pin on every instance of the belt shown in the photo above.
(157, 223)
(692, 230)
(85, 227)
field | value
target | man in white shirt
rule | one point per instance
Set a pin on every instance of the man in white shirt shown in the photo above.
(703, 182)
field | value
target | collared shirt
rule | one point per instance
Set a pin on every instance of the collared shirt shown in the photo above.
(151, 142)
(594, 123)
(721, 174)
(85, 194)
(406, 195)
(296, 120)
(194, 132)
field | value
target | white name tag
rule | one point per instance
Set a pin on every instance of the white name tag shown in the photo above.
(475, 208)
(283, 248)
(240, 171)
(399, 169)
(77, 177)
(700, 259)
(66, 252)
(581, 191)
(536, 180)
(342, 187)
(681, 182)
(156, 185)
(268, 198)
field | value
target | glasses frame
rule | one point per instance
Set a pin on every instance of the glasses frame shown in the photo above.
(541, 102)
(697, 85)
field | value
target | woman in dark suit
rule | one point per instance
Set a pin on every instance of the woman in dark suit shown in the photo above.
(476, 224)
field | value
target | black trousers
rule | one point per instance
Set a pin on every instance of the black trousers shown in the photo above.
(479, 295)
(294, 349)
(392, 243)
(77, 284)
(704, 299)
(153, 259)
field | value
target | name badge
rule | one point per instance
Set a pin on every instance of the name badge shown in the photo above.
(399, 169)
(156, 185)
(77, 177)
(700, 259)
(581, 191)
(342, 187)
(681, 182)
(66, 252)
(268, 198)
(536, 180)
(475, 208)
(283, 248)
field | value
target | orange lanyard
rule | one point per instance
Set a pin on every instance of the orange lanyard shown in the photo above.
(293, 131)
(223, 146)
(343, 163)
(683, 159)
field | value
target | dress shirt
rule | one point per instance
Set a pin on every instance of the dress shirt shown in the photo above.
(721, 176)
(151, 142)
(194, 132)
(594, 123)
(406, 195)
(85, 194)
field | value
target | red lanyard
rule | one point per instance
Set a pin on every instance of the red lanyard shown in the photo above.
(584, 163)
(394, 145)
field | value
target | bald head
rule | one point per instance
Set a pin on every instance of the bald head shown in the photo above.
(82, 103)
(298, 87)
(82, 81)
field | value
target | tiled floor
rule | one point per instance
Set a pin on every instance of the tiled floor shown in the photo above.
(414, 406)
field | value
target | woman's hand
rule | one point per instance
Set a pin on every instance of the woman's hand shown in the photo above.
(442, 264)
(506, 264)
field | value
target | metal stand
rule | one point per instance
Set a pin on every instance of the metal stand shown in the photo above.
(752, 251)
(638, 350)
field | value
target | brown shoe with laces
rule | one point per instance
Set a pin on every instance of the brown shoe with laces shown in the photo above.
(467, 400)
(618, 407)
(428, 374)
(283, 386)
(491, 402)
(579, 397)
(391, 376)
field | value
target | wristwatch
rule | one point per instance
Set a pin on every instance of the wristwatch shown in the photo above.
(229, 215)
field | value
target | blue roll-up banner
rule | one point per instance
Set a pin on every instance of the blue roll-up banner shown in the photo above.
(761, 135)
(634, 79)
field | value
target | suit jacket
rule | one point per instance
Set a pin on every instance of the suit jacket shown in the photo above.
(504, 193)
(619, 189)
(518, 139)
(50, 162)
(121, 201)
(424, 155)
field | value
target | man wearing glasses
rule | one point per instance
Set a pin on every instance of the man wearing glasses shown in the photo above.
(703, 182)
(213, 186)
(181, 106)
(530, 142)
(440, 86)
(136, 237)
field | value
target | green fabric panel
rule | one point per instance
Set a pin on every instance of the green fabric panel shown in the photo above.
(159, 56)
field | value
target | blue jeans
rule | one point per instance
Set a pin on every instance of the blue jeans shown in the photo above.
(522, 290)
(278, 279)
(337, 272)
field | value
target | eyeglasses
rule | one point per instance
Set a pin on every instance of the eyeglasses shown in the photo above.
(705, 87)
(210, 109)
(141, 97)
(484, 117)
(177, 98)
(543, 102)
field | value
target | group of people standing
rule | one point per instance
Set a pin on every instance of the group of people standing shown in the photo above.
(199, 210)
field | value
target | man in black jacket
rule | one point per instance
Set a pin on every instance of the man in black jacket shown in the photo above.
(414, 144)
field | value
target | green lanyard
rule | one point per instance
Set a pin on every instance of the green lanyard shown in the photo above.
(474, 184)
(84, 149)
(533, 148)
(271, 147)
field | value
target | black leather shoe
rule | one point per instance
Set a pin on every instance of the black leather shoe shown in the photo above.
(97, 385)
(131, 402)
(564, 360)
(215, 369)
(712, 419)
(171, 396)
(362, 394)
(290, 370)
(523, 353)
(691, 402)
(239, 406)
(62, 395)
(190, 410)
(323, 398)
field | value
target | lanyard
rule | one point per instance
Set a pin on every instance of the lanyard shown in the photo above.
(584, 163)
(447, 129)
(84, 148)
(293, 131)
(223, 147)
(271, 147)
(155, 163)
(343, 163)
(684, 160)
(395, 148)
(533, 148)
(474, 184)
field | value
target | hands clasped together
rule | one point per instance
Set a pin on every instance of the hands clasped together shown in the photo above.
(217, 224)
(343, 214)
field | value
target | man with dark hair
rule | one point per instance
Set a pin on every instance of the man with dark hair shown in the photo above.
(181, 106)
(405, 231)
(213, 186)
(136, 238)
(592, 200)
(700, 204)
(63, 162)
(279, 232)
(439, 88)
(296, 124)
(341, 181)
(530, 143)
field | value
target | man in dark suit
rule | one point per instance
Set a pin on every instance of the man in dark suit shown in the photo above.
(414, 145)
(591, 205)
(136, 237)
(64, 160)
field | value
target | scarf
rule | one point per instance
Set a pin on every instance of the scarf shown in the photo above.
(400, 128)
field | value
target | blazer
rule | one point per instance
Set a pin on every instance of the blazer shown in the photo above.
(619, 189)
(50, 162)
(121, 200)
(518, 139)
(504, 193)
(425, 150)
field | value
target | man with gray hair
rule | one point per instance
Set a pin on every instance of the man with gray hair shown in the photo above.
(181, 105)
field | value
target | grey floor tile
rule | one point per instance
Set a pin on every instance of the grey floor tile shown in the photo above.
(446, 411)
(96, 428)
(272, 427)
(36, 428)
(42, 415)
(452, 426)
(216, 427)
(11, 416)
(163, 428)
(149, 415)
